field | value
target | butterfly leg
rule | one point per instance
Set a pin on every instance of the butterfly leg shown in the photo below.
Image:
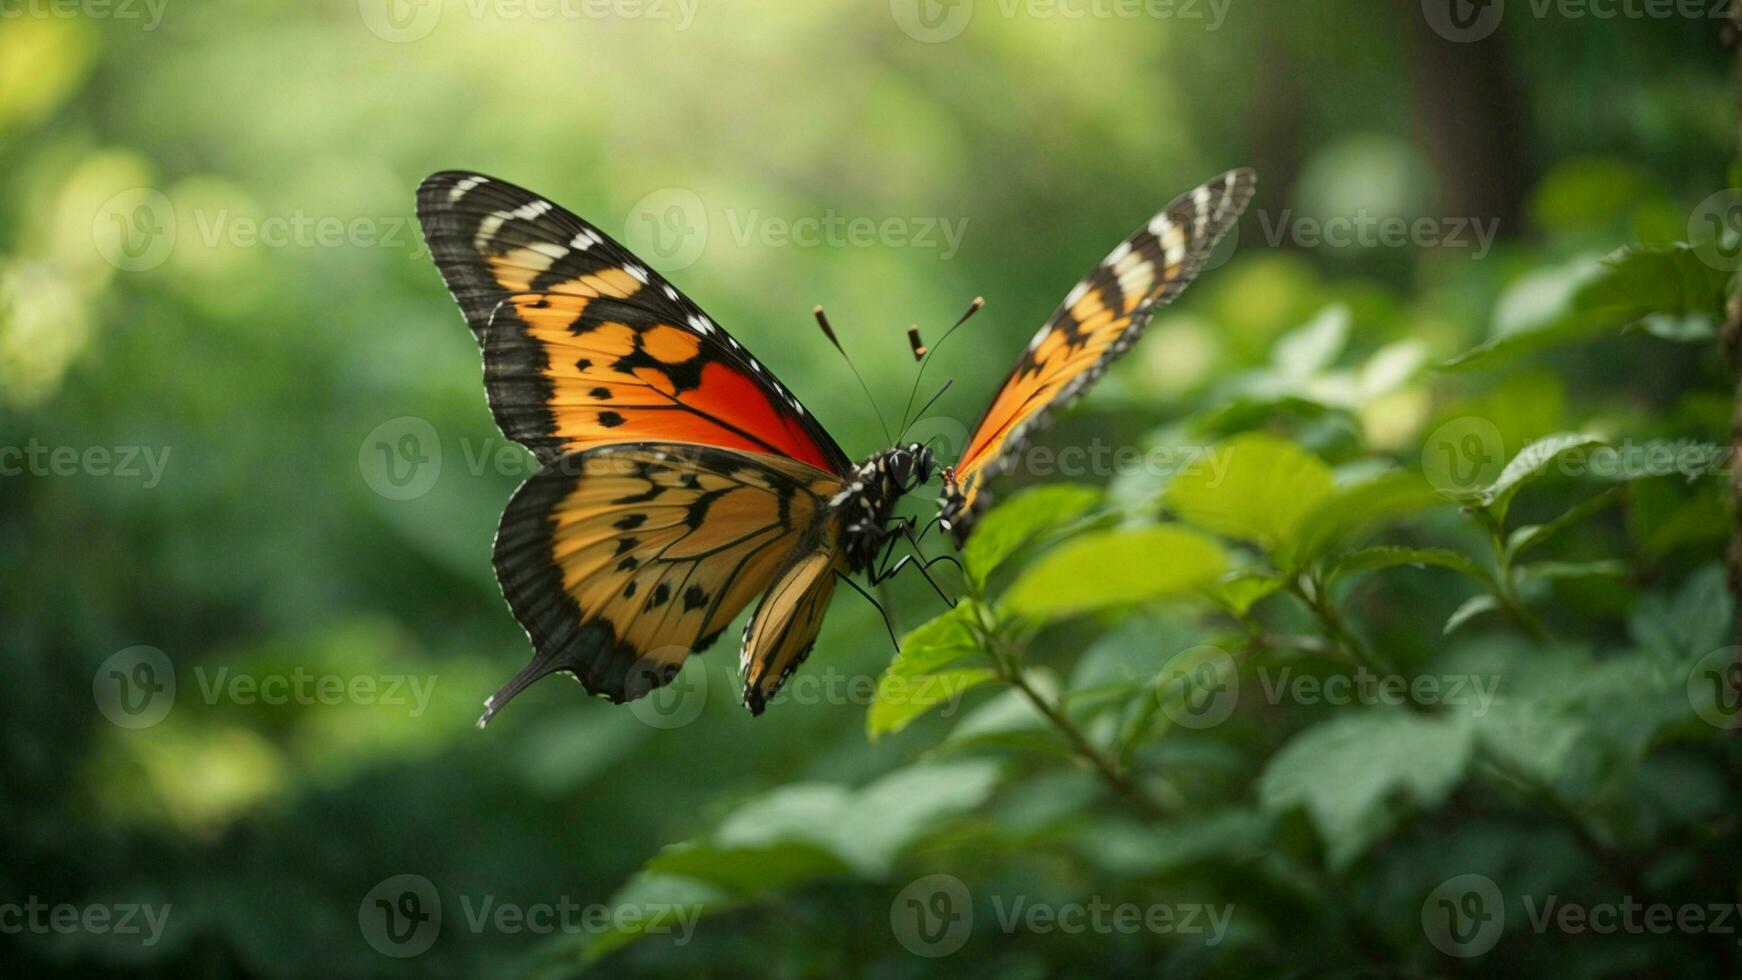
(888, 624)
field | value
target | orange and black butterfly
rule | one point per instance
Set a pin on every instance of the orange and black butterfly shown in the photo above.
(679, 480)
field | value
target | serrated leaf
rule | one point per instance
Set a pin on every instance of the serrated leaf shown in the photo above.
(1391, 556)
(901, 699)
(1348, 772)
(1531, 535)
(1022, 518)
(1266, 489)
(1114, 568)
(1531, 462)
(1474, 606)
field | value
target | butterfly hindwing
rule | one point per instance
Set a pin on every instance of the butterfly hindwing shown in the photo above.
(781, 632)
(585, 346)
(622, 561)
(1100, 318)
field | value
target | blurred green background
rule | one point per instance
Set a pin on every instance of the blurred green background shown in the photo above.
(210, 274)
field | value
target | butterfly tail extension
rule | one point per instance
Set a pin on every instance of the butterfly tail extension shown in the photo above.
(782, 631)
(1100, 319)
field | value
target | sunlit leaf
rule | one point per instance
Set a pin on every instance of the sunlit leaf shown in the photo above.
(1631, 285)
(900, 699)
(1531, 462)
(1341, 515)
(1023, 517)
(1113, 568)
(1472, 607)
(1266, 489)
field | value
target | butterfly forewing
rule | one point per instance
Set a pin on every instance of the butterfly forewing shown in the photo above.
(1100, 318)
(585, 346)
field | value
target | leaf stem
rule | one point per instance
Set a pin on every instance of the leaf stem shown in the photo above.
(1103, 764)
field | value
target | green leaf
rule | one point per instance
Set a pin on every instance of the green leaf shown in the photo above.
(937, 643)
(1531, 535)
(1315, 346)
(901, 699)
(1238, 591)
(1531, 462)
(1548, 570)
(744, 872)
(1023, 517)
(650, 891)
(1474, 606)
(1631, 285)
(1347, 511)
(1113, 568)
(1347, 774)
(1390, 556)
(1263, 494)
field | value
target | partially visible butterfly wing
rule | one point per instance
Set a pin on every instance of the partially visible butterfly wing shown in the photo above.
(585, 346)
(1099, 319)
(781, 632)
(622, 561)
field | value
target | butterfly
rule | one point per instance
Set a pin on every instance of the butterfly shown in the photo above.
(679, 479)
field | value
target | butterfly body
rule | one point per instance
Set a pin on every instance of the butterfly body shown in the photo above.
(679, 480)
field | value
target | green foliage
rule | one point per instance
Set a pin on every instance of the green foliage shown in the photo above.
(1260, 657)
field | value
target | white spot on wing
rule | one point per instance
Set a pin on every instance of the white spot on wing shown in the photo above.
(532, 209)
(1077, 292)
(636, 272)
(464, 187)
(584, 239)
(551, 249)
(1120, 251)
(1040, 335)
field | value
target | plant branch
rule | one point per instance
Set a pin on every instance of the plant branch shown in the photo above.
(1103, 764)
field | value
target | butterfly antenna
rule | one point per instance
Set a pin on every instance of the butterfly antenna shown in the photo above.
(922, 354)
(829, 332)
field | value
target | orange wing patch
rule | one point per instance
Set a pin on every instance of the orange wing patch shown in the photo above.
(566, 372)
(621, 562)
(1100, 318)
(585, 346)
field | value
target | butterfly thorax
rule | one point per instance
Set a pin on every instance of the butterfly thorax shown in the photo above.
(866, 505)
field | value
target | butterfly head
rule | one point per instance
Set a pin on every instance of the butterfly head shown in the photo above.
(908, 467)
